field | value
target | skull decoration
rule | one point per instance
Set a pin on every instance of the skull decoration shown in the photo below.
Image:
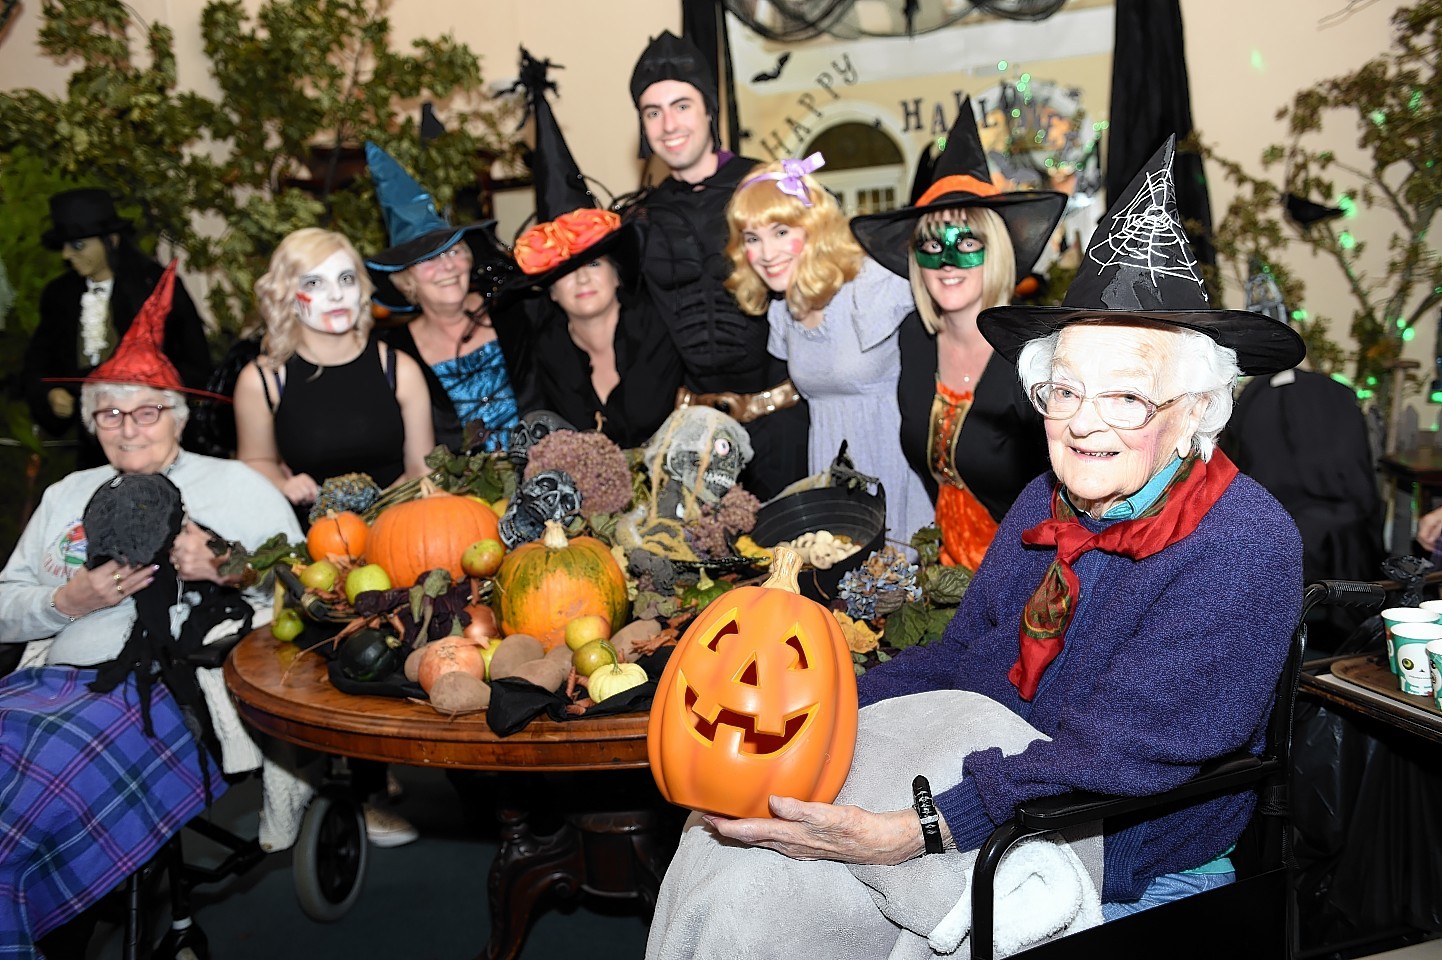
(549, 495)
(758, 698)
(702, 451)
(532, 428)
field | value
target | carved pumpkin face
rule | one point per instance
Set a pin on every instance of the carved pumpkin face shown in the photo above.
(758, 698)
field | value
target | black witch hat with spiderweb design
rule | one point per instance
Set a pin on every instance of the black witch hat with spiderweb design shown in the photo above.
(1139, 266)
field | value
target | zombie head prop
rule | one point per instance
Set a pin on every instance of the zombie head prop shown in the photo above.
(532, 428)
(701, 451)
(549, 495)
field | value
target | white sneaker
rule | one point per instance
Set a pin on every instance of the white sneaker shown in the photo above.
(387, 829)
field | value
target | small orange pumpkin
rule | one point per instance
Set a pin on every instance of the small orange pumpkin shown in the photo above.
(544, 585)
(758, 698)
(412, 538)
(341, 534)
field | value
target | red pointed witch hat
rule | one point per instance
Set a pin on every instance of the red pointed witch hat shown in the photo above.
(139, 357)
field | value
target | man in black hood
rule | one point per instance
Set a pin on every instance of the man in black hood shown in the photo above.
(685, 264)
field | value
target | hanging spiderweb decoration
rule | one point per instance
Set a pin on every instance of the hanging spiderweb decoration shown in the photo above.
(132, 518)
(1146, 235)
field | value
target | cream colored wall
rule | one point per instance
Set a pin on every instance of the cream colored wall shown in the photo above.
(1247, 59)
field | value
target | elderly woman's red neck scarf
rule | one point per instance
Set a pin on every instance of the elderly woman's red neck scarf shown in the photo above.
(1175, 514)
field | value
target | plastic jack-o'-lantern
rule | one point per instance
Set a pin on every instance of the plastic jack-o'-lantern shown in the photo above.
(758, 698)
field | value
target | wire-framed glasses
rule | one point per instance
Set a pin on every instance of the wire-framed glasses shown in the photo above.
(145, 416)
(1121, 409)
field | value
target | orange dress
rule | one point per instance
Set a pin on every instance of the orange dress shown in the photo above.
(966, 527)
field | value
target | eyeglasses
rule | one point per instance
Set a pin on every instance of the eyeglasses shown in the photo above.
(143, 416)
(449, 255)
(1121, 409)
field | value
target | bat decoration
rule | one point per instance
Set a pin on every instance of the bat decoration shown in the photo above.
(1305, 212)
(766, 76)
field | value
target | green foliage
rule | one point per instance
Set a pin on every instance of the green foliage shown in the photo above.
(1395, 100)
(303, 84)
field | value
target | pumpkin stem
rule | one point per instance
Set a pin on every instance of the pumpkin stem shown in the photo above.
(555, 536)
(785, 565)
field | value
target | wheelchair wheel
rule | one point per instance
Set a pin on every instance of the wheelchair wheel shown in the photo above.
(330, 857)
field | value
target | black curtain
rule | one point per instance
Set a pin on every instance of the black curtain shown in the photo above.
(703, 22)
(1151, 100)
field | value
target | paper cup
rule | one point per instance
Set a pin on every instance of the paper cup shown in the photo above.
(1395, 615)
(1414, 674)
(1435, 606)
(1434, 654)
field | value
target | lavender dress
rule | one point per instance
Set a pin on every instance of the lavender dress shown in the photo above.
(847, 370)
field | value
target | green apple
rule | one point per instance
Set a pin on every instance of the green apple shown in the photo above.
(363, 579)
(320, 575)
(483, 558)
(593, 656)
(583, 630)
(287, 626)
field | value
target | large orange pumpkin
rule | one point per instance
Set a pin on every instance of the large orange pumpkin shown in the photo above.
(545, 584)
(341, 534)
(758, 698)
(412, 538)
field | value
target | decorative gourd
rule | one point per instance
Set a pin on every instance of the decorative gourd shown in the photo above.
(615, 678)
(545, 584)
(758, 698)
(341, 534)
(412, 538)
(369, 654)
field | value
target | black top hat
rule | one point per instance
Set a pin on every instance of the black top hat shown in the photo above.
(77, 214)
(417, 232)
(574, 228)
(1139, 266)
(669, 57)
(961, 178)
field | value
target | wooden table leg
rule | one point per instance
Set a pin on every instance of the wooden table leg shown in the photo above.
(526, 868)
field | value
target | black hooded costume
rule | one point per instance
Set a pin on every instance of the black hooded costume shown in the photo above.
(685, 265)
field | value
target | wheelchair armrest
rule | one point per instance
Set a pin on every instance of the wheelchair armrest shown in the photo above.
(1223, 775)
(1044, 814)
(212, 655)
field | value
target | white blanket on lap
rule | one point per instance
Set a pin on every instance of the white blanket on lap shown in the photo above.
(722, 901)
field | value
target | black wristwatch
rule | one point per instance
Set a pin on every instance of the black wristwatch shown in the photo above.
(925, 808)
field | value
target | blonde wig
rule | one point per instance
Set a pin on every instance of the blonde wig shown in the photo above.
(830, 258)
(300, 251)
(998, 270)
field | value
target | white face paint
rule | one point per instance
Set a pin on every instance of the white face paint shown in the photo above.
(327, 296)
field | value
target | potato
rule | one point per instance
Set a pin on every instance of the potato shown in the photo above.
(413, 664)
(546, 673)
(637, 631)
(458, 692)
(515, 650)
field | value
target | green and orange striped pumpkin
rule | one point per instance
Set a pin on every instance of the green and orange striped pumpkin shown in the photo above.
(545, 584)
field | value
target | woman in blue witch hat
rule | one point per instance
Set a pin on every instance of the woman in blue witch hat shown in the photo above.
(584, 341)
(444, 277)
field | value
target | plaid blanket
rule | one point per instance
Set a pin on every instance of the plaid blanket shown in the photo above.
(86, 798)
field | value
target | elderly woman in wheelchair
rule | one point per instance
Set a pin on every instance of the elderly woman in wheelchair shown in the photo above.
(1128, 625)
(116, 575)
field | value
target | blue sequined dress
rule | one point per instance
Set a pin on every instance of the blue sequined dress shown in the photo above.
(480, 389)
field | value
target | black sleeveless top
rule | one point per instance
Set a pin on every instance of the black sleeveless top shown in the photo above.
(345, 419)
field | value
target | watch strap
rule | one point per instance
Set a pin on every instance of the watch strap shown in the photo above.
(925, 808)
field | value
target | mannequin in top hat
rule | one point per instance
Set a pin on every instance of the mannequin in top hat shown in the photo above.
(584, 341)
(967, 428)
(685, 265)
(1141, 563)
(440, 279)
(85, 312)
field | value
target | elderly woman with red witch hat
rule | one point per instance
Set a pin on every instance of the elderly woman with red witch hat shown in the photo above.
(115, 578)
(583, 340)
(1127, 625)
(967, 428)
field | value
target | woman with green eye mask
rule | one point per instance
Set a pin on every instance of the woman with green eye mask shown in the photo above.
(966, 426)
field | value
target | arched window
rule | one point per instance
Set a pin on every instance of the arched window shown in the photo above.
(864, 167)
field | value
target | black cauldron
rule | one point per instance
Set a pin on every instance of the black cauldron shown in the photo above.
(851, 512)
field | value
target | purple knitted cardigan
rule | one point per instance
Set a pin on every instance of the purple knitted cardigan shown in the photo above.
(1170, 661)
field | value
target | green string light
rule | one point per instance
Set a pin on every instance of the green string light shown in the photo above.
(1001, 66)
(1346, 240)
(1257, 63)
(1347, 205)
(1409, 335)
(1364, 394)
(1342, 379)
(1371, 381)
(1415, 100)
(1379, 117)
(1299, 314)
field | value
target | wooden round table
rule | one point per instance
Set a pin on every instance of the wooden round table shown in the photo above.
(613, 853)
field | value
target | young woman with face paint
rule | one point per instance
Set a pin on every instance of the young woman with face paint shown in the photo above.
(324, 398)
(833, 315)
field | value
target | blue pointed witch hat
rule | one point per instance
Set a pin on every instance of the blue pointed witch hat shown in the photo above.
(417, 232)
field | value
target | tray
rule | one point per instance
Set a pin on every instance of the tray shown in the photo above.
(1373, 673)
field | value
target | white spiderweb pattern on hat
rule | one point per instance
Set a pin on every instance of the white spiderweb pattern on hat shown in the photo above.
(1146, 235)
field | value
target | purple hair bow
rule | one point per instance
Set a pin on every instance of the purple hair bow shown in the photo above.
(790, 179)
